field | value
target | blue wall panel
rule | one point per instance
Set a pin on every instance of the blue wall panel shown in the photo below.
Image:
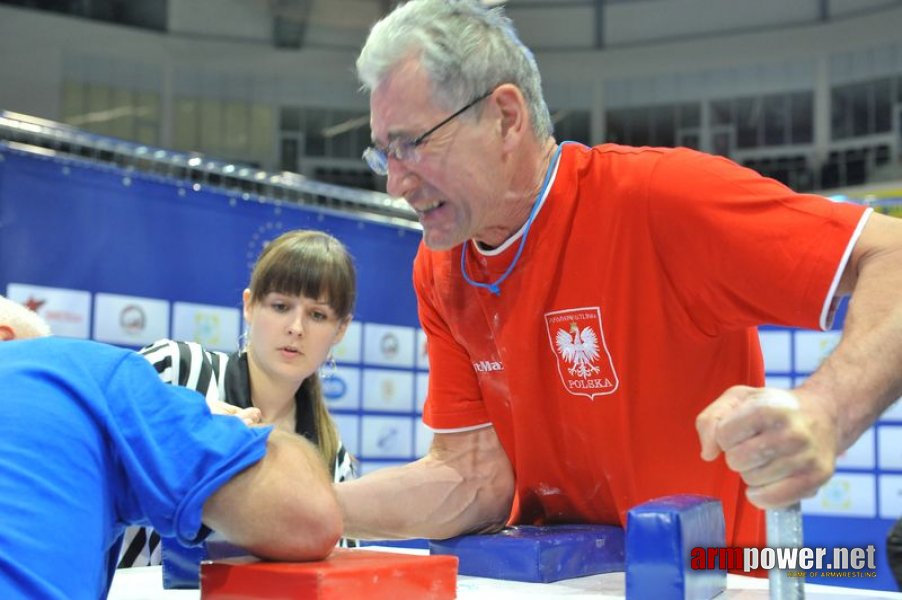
(70, 225)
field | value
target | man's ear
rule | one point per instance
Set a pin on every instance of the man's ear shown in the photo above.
(514, 113)
(6, 333)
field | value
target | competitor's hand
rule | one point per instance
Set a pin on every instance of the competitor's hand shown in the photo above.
(250, 416)
(783, 444)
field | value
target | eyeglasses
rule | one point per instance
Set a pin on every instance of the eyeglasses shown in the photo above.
(406, 149)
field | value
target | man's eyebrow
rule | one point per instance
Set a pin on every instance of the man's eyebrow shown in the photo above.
(402, 134)
(391, 138)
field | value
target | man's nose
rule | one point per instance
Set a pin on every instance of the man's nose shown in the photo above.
(401, 180)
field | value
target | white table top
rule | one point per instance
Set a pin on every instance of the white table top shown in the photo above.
(146, 583)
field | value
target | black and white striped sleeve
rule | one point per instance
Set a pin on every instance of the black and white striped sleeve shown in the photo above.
(345, 470)
(189, 365)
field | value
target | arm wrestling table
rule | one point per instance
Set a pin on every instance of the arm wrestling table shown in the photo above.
(146, 583)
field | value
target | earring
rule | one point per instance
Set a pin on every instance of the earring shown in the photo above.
(329, 368)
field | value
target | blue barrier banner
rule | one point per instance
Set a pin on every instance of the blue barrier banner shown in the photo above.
(126, 258)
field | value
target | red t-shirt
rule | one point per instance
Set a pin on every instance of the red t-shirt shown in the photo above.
(632, 307)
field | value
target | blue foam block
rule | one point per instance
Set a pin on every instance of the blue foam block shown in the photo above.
(660, 536)
(181, 564)
(537, 554)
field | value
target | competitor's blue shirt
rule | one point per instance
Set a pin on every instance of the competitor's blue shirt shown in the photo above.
(91, 441)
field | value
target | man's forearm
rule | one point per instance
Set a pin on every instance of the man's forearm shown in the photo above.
(862, 377)
(427, 498)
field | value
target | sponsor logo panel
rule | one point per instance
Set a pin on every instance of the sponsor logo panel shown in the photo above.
(388, 390)
(861, 454)
(342, 388)
(844, 495)
(214, 327)
(130, 320)
(774, 381)
(67, 312)
(890, 496)
(349, 431)
(812, 347)
(422, 440)
(389, 345)
(348, 349)
(422, 390)
(889, 446)
(387, 437)
(894, 412)
(776, 347)
(422, 353)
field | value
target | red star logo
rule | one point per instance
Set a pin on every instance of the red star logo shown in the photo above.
(34, 305)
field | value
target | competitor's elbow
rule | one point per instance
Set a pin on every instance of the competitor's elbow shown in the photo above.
(283, 507)
(308, 529)
(493, 500)
(500, 494)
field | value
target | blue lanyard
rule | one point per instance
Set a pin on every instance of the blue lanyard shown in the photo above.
(495, 287)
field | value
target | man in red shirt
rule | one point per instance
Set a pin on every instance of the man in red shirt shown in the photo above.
(583, 306)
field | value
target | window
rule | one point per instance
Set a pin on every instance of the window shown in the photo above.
(793, 171)
(862, 109)
(132, 115)
(883, 106)
(771, 120)
(147, 14)
(801, 118)
(722, 112)
(573, 125)
(748, 122)
(227, 129)
(663, 128)
(660, 125)
(776, 120)
(860, 106)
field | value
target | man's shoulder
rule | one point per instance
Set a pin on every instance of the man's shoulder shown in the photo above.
(73, 347)
(636, 156)
(68, 358)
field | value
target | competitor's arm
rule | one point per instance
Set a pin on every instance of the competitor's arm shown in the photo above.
(464, 484)
(283, 507)
(785, 449)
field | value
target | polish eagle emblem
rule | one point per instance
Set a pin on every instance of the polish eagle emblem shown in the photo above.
(579, 348)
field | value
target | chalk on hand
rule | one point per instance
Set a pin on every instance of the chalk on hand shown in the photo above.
(538, 554)
(346, 573)
(660, 535)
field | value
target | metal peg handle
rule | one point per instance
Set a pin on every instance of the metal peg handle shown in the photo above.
(784, 530)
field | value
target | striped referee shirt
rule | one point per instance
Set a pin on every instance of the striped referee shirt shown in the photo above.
(223, 377)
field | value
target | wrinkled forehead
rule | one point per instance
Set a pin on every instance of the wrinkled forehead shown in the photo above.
(403, 105)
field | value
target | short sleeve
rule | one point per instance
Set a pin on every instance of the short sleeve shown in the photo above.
(453, 400)
(173, 452)
(740, 249)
